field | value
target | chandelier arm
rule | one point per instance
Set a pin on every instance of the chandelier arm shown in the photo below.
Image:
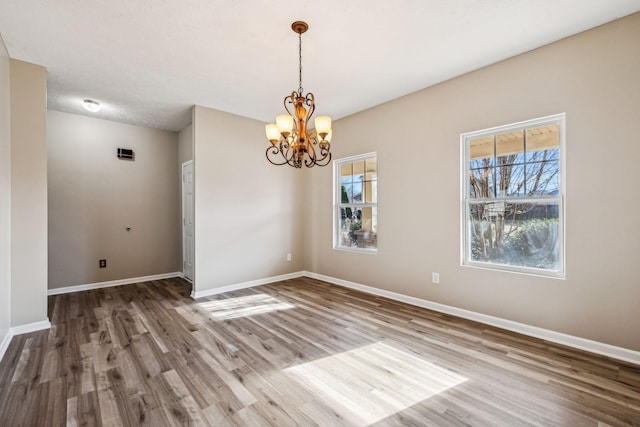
(310, 99)
(312, 137)
(311, 103)
(325, 156)
(292, 100)
(274, 151)
(320, 157)
(291, 152)
(310, 161)
(324, 150)
(285, 150)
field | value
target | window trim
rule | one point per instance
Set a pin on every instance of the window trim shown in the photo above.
(465, 241)
(336, 203)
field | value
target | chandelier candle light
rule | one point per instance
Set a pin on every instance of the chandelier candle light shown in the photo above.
(290, 137)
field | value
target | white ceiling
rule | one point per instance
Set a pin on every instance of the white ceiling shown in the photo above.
(149, 61)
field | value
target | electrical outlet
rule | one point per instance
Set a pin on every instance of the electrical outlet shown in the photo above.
(288, 257)
(435, 278)
(103, 263)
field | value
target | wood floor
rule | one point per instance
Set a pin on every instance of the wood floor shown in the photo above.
(295, 353)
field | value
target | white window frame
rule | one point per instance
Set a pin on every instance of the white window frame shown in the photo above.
(465, 245)
(337, 202)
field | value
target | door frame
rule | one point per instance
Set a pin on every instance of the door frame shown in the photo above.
(183, 225)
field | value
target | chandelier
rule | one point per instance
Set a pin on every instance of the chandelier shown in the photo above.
(292, 142)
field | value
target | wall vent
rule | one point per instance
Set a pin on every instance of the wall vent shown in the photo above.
(126, 154)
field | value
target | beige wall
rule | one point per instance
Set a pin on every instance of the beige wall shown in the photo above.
(28, 193)
(94, 197)
(594, 78)
(5, 193)
(248, 215)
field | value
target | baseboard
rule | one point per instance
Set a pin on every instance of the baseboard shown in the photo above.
(90, 286)
(244, 285)
(19, 330)
(30, 327)
(4, 345)
(603, 349)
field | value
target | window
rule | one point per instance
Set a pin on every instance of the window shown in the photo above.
(512, 193)
(356, 203)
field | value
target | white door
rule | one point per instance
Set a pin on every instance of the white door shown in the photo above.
(188, 243)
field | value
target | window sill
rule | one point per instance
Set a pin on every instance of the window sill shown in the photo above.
(523, 271)
(356, 250)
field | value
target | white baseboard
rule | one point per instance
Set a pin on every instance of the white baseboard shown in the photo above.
(19, 330)
(30, 327)
(4, 345)
(244, 285)
(608, 350)
(87, 287)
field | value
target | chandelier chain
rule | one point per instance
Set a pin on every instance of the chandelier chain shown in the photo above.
(300, 63)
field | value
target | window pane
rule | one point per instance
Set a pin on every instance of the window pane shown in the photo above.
(518, 234)
(481, 183)
(371, 191)
(543, 155)
(346, 212)
(543, 138)
(346, 173)
(480, 149)
(510, 148)
(357, 193)
(372, 169)
(347, 191)
(358, 227)
(481, 163)
(345, 182)
(510, 180)
(358, 170)
(510, 163)
(543, 178)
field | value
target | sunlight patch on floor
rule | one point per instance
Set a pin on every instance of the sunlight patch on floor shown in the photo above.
(370, 383)
(249, 305)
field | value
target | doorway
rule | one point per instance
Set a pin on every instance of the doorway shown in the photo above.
(188, 242)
